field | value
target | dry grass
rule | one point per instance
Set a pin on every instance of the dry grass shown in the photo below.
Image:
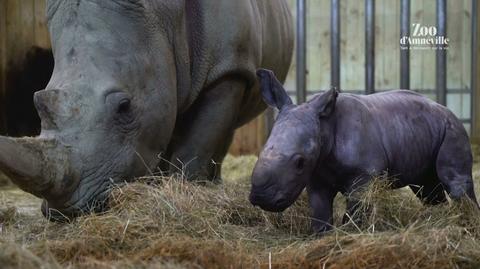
(4, 180)
(172, 224)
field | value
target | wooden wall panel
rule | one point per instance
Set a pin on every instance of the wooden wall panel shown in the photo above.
(318, 45)
(422, 62)
(466, 55)
(290, 80)
(42, 37)
(14, 42)
(352, 49)
(476, 108)
(387, 46)
(454, 53)
(250, 138)
(458, 56)
(26, 26)
(466, 15)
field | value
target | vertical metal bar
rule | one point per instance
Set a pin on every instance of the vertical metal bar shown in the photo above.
(3, 63)
(441, 60)
(474, 105)
(370, 46)
(301, 52)
(405, 48)
(335, 43)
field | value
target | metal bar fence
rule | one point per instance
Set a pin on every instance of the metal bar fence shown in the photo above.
(475, 119)
(405, 49)
(440, 90)
(441, 57)
(335, 43)
(370, 46)
(301, 52)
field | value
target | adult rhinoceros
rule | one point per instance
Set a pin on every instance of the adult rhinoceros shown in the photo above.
(135, 78)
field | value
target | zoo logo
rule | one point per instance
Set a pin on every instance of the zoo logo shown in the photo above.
(419, 30)
(424, 37)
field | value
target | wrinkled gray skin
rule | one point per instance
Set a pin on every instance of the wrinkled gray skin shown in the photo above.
(337, 142)
(134, 79)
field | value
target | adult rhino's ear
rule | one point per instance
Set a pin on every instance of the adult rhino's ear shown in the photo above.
(325, 103)
(272, 90)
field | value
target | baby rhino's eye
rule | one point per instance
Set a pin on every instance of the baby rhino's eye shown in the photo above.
(299, 162)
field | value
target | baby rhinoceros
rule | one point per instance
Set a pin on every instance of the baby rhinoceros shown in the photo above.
(338, 142)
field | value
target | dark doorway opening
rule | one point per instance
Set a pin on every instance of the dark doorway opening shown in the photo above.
(22, 81)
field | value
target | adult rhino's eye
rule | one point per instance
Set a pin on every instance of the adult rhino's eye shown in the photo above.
(120, 105)
(123, 106)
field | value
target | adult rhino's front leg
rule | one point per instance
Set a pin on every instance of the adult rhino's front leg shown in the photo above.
(204, 133)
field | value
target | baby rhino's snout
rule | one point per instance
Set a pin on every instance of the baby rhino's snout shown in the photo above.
(270, 186)
(262, 191)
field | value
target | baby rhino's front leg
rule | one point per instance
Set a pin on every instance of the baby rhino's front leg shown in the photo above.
(321, 205)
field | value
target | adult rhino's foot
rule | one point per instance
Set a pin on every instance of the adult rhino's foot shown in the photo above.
(55, 215)
(195, 169)
(206, 173)
(66, 215)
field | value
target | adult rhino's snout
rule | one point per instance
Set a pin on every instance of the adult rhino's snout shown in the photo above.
(56, 107)
(37, 165)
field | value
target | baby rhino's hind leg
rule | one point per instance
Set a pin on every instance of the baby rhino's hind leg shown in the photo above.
(454, 164)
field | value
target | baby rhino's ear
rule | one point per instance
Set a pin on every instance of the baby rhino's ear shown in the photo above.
(325, 103)
(272, 90)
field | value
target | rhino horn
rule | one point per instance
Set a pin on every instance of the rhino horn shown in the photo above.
(36, 165)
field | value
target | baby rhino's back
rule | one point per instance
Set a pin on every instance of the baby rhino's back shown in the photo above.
(409, 129)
